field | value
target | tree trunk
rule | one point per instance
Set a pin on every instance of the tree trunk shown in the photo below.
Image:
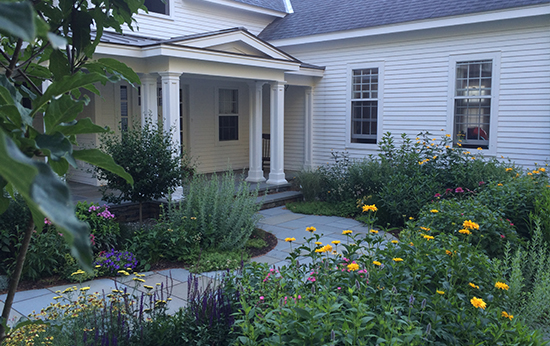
(14, 281)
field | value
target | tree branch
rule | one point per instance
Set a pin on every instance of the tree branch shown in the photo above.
(14, 58)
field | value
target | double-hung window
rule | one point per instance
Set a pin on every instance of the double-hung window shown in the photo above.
(228, 114)
(158, 6)
(124, 119)
(364, 105)
(473, 98)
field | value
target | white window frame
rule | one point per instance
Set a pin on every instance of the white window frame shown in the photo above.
(169, 16)
(240, 106)
(495, 91)
(379, 64)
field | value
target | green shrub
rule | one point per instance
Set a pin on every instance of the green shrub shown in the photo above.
(219, 260)
(148, 154)
(515, 197)
(542, 213)
(416, 292)
(343, 209)
(309, 183)
(46, 254)
(448, 216)
(72, 271)
(215, 212)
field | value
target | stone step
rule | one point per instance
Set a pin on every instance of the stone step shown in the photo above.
(277, 199)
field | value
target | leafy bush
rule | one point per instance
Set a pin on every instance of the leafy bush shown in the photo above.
(148, 154)
(71, 271)
(542, 213)
(515, 197)
(12, 225)
(309, 183)
(104, 228)
(449, 216)
(216, 213)
(219, 260)
(344, 209)
(419, 291)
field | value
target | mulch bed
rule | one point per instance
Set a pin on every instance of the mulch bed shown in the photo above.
(56, 280)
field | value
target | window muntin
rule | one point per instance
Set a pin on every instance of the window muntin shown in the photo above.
(364, 105)
(228, 114)
(124, 108)
(472, 103)
(158, 6)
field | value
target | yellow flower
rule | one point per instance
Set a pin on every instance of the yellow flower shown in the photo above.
(373, 231)
(473, 286)
(397, 259)
(499, 184)
(395, 241)
(411, 243)
(529, 173)
(80, 271)
(138, 279)
(290, 239)
(542, 169)
(448, 135)
(148, 287)
(428, 237)
(425, 228)
(347, 231)
(459, 144)
(353, 267)
(464, 231)
(328, 248)
(507, 315)
(434, 211)
(479, 148)
(318, 243)
(435, 157)
(123, 272)
(193, 218)
(508, 169)
(440, 292)
(84, 289)
(478, 303)
(170, 230)
(470, 224)
(369, 208)
(336, 242)
(411, 218)
(502, 286)
(376, 263)
(311, 229)
(448, 252)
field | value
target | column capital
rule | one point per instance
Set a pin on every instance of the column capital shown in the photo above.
(170, 74)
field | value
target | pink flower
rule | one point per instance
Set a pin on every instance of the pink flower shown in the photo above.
(299, 296)
(261, 297)
(92, 239)
(339, 288)
(481, 183)
(502, 236)
(437, 195)
(311, 278)
(459, 190)
(448, 190)
(47, 222)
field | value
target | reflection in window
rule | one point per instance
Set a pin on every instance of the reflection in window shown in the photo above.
(228, 115)
(157, 6)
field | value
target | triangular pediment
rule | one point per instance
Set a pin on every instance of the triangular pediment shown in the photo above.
(237, 41)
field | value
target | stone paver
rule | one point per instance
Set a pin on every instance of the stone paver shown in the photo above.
(279, 221)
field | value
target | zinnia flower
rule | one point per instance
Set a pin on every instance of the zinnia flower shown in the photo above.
(353, 267)
(478, 303)
(502, 286)
(470, 224)
(369, 208)
(397, 259)
(507, 315)
(311, 229)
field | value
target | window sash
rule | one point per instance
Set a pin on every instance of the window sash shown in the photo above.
(228, 114)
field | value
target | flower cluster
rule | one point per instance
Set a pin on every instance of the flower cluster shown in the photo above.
(112, 261)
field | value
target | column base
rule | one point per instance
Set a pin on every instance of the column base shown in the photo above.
(277, 179)
(255, 176)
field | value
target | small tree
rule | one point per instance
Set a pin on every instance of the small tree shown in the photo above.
(149, 155)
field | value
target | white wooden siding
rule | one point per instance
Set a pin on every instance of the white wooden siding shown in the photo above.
(294, 128)
(416, 86)
(192, 17)
(211, 154)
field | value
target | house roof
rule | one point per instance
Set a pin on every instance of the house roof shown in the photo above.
(277, 5)
(313, 17)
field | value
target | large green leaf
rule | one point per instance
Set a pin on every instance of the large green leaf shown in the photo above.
(61, 110)
(45, 195)
(17, 19)
(115, 66)
(66, 84)
(9, 95)
(98, 158)
(85, 125)
(58, 145)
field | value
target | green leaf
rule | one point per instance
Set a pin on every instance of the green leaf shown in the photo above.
(58, 146)
(98, 158)
(60, 167)
(61, 110)
(58, 64)
(46, 195)
(302, 313)
(120, 68)
(17, 19)
(66, 84)
(81, 126)
(56, 41)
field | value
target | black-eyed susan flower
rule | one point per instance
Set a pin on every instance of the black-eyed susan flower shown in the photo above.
(290, 240)
(347, 231)
(311, 229)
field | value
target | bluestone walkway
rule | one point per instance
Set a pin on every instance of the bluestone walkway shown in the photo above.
(279, 221)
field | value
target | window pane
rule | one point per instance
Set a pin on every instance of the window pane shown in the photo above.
(228, 128)
(157, 6)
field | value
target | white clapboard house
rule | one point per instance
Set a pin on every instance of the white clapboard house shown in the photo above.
(316, 75)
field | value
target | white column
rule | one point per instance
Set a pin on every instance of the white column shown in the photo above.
(255, 171)
(277, 124)
(149, 97)
(170, 82)
(308, 135)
